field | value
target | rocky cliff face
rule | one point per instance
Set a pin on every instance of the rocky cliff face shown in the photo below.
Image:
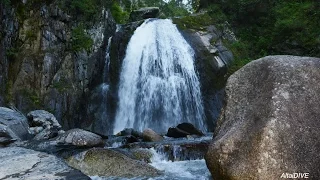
(39, 68)
(8, 34)
(212, 58)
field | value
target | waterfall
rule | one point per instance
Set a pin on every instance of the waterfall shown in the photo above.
(159, 87)
(99, 105)
(107, 62)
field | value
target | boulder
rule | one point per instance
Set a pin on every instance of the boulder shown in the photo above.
(144, 13)
(188, 127)
(270, 124)
(129, 132)
(43, 124)
(42, 118)
(150, 136)
(183, 130)
(109, 163)
(6, 136)
(176, 133)
(13, 124)
(81, 138)
(21, 163)
(142, 154)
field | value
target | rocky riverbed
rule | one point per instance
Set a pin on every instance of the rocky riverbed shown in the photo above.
(39, 149)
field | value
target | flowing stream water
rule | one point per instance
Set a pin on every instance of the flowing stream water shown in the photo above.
(175, 163)
(159, 87)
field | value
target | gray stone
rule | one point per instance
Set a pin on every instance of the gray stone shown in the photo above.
(150, 136)
(43, 119)
(81, 138)
(6, 135)
(270, 124)
(144, 13)
(43, 124)
(142, 154)
(14, 124)
(109, 163)
(21, 163)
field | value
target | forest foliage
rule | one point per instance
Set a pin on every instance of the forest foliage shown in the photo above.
(269, 27)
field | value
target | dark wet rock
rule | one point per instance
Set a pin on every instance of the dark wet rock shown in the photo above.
(270, 124)
(183, 130)
(109, 163)
(144, 13)
(150, 136)
(177, 133)
(13, 124)
(80, 138)
(29, 164)
(188, 127)
(130, 131)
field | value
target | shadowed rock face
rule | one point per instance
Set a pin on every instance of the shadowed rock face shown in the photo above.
(270, 124)
(28, 164)
(45, 71)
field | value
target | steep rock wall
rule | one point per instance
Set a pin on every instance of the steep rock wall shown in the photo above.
(39, 68)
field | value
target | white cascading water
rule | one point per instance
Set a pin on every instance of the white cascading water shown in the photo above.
(159, 87)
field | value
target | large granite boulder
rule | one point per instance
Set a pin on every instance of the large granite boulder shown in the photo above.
(13, 125)
(144, 13)
(21, 163)
(109, 163)
(80, 138)
(270, 125)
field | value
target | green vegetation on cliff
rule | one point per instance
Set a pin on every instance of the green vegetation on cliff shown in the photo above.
(268, 27)
(80, 39)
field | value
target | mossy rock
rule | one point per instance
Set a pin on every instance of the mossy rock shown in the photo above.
(109, 163)
(142, 155)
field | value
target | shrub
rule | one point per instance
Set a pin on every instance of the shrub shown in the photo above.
(80, 40)
(119, 15)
